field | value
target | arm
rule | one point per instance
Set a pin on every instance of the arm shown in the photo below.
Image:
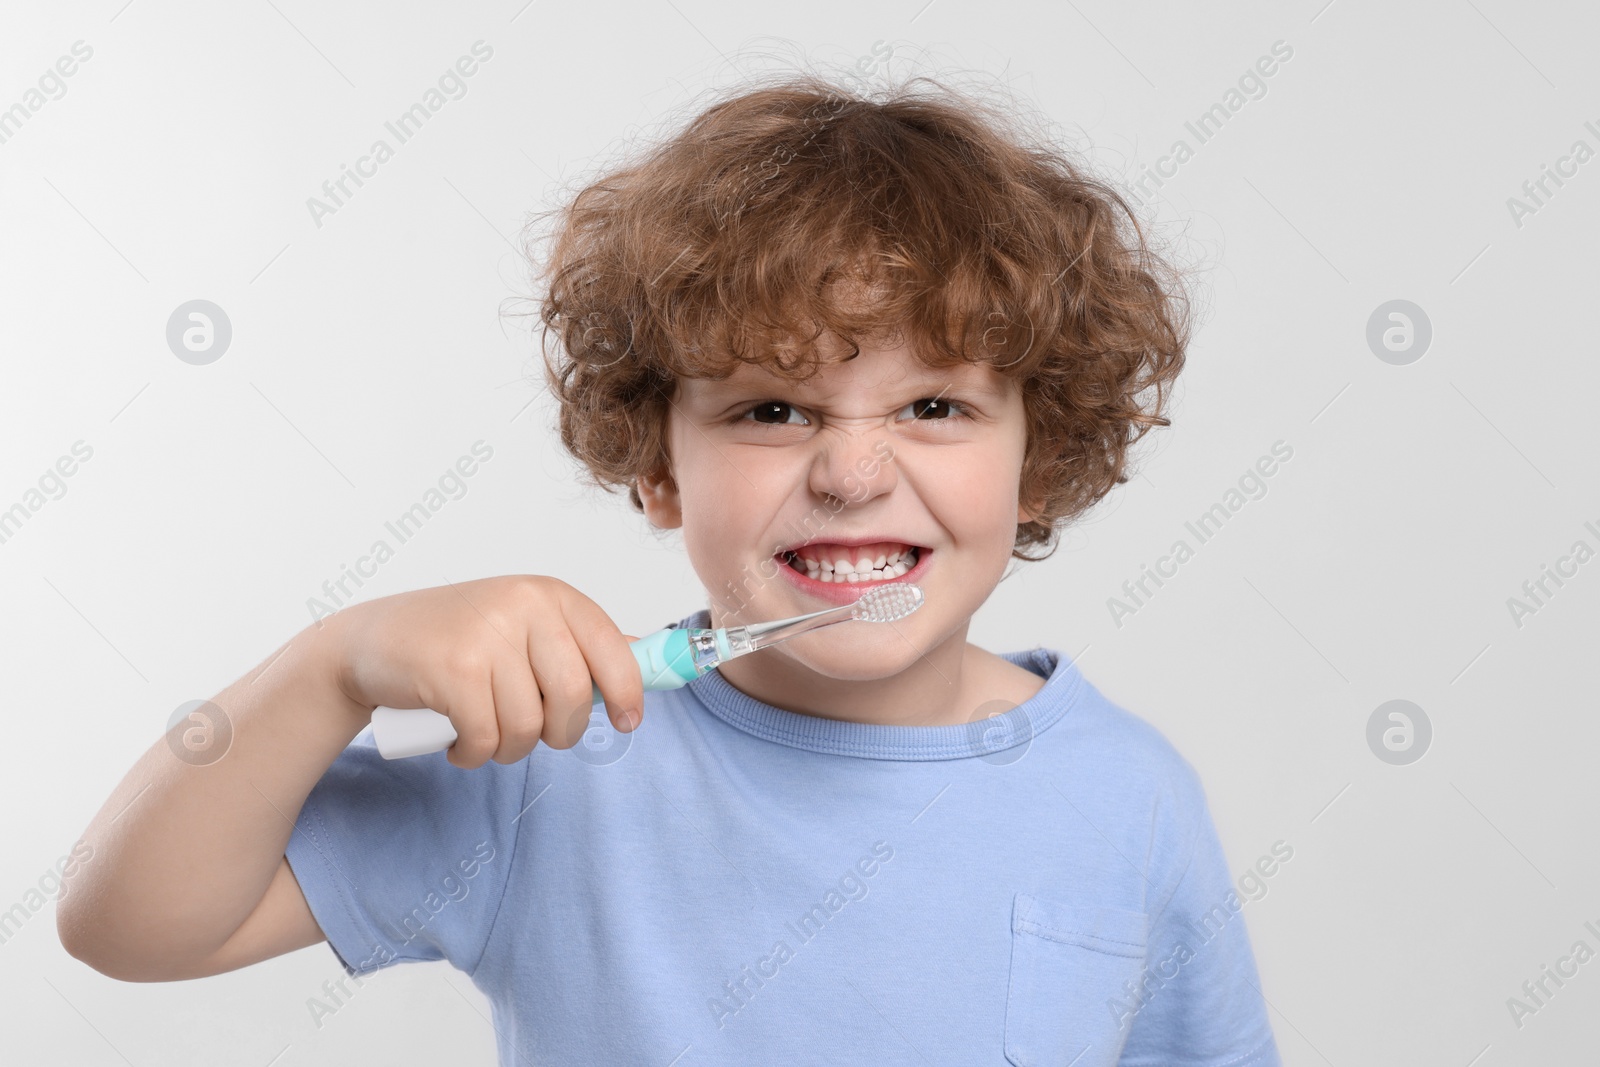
(188, 876)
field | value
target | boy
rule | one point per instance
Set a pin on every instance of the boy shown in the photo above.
(835, 342)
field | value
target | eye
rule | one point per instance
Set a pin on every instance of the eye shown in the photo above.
(782, 413)
(775, 413)
(935, 409)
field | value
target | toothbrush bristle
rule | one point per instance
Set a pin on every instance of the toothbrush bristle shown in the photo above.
(887, 603)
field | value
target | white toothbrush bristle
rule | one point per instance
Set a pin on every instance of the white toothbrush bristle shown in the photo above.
(887, 603)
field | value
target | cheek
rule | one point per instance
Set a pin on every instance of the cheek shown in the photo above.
(728, 498)
(711, 509)
(979, 495)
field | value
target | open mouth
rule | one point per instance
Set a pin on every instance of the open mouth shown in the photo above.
(853, 564)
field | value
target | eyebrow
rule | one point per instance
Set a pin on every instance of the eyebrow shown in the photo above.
(925, 377)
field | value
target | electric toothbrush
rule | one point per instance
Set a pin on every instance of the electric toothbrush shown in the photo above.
(668, 659)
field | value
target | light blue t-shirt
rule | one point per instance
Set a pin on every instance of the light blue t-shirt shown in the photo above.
(734, 883)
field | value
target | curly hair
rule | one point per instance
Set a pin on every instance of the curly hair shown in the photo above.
(730, 241)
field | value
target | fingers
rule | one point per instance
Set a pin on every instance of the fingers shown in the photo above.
(563, 677)
(471, 709)
(518, 708)
(610, 662)
(502, 707)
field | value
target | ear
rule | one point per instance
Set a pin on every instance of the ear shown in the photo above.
(659, 495)
(1027, 511)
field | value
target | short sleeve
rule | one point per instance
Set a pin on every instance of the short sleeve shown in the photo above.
(408, 859)
(1200, 1002)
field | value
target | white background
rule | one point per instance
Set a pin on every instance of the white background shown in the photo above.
(369, 353)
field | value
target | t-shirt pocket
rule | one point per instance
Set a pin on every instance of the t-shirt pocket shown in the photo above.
(1067, 963)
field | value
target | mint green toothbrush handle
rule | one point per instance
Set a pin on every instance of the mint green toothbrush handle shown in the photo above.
(665, 658)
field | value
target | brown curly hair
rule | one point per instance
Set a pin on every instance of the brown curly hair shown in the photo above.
(730, 241)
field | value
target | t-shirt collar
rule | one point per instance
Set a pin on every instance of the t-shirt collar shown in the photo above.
(983, 737)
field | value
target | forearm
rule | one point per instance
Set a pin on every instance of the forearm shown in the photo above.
(185, 848)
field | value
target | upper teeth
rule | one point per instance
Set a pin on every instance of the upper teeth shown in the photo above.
(862, 567)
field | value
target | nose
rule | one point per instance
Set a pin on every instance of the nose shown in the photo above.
(855, 467)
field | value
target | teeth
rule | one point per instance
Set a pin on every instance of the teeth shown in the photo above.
(880, 568)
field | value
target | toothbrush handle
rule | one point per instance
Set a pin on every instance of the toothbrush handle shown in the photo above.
(665, 659)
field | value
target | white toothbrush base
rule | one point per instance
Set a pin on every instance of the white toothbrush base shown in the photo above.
(402, 732)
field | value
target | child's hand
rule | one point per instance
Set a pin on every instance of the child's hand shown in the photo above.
(508, 659)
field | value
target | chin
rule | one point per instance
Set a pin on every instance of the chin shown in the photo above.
(849, 653)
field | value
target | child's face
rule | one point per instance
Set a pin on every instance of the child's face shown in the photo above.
(763, 465)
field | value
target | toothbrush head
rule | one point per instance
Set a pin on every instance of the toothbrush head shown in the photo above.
(887, 603)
